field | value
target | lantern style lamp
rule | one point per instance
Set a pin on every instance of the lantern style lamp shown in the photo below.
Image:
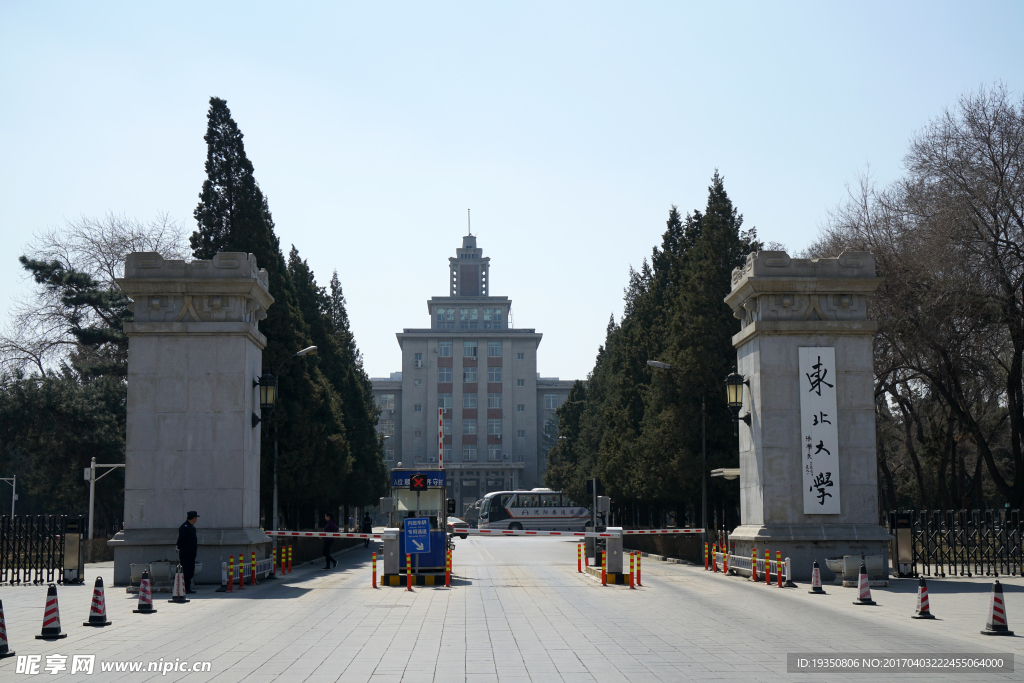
(734, 392)
(268, 397)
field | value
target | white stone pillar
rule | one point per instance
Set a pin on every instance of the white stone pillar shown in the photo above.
(194, 351)
(784, 305)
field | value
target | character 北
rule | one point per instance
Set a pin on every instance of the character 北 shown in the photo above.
(819, 431)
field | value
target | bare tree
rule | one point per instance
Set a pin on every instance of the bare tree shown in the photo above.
(38, 335)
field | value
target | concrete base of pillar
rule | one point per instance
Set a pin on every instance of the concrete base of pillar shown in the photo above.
(141, 546)
(805, 543)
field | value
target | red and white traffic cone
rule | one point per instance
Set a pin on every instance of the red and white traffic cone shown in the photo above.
(51, 617)
(98, 611)
(145, 596)
(865, 589)
(816, 580)
(997, 624)
(922, 602)
(178, 594)
(5, 651)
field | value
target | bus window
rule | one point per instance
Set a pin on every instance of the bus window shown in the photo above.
(507, 500)
(485, 508)
(528, 500)
(548, 500)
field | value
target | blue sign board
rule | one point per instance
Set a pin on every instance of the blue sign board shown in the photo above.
(417, 535)
(400, 480)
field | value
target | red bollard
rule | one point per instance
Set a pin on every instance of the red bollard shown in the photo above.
(375, 570)
(586, 558)
(604, 567)
(579, 558)
(631, 586)
(448, 570)
(778, 567)
(408, 573)
(638, 556)
(714, 558)
(241, 571)
(767, 567)
(289, 559)
(753, 564)
(253, 570)
(705, 555)
(231, 573)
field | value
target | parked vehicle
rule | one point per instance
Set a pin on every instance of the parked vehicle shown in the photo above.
(455, 525)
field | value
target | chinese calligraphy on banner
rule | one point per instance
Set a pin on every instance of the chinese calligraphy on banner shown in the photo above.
(819, 431)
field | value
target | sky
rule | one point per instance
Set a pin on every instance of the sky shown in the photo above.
(568, 128)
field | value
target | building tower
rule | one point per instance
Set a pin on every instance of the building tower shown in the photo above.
(498, 420)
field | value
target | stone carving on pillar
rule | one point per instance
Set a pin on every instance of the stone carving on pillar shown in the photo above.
(194, 349)
(785, 304)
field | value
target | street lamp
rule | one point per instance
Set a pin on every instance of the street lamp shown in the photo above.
(268, 399)
(703, 456)
(13, 481)
(734, 392)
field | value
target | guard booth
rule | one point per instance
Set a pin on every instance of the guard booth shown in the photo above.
(418, 527)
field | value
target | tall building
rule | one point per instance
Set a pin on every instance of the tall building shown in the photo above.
(499, 414)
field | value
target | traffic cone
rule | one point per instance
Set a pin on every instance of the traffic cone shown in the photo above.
(922, 602)
(816, 580)
(98, 611)
(4, 650)
(997, 625)
(178, 594)
(865, 589)
(145, 596)
(51, 617)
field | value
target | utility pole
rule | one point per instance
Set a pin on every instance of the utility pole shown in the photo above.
(90, 476)
(703, 471)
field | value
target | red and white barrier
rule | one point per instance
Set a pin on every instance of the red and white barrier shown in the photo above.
(497, 532)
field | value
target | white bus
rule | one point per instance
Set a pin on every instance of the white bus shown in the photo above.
(537, 509)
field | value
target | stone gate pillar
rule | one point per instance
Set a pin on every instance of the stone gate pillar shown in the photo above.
(194, 350)
(808, 471)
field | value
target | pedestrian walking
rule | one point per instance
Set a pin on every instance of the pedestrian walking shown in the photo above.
(329, 527)
(188, 547)
(367, 529)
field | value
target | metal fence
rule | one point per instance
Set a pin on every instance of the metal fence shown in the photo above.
(32, 548)
(957, 542)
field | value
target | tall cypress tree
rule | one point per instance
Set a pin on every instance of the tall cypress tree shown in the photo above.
(233, 215)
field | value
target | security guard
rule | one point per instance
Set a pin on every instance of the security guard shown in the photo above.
(188, 546)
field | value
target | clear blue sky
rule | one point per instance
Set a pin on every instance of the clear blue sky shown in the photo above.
(569, 128)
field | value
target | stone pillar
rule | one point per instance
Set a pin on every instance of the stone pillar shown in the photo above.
(194, 350)
(784, 305)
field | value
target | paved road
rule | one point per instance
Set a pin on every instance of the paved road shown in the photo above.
(518, 611)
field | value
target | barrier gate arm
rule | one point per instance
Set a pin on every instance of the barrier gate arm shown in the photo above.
(496, 532)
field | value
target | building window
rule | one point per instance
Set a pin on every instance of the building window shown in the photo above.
(387, 427)
(550, 401)
(444, 374)
(494, 373)
(444, 401)
(446, 319)
(417, 408)
(521, 433)
(494, 318)
(521, 408)
(469, 375)
(417, 434)
(447, 426)
(469, 349)
(417, 382)
(444, 349)
(493, 400)
(387, 401)
(550, 427)
(418, 360)
(493, 453)
(494, 427)
(469, 318)
(469, 400)
(448, 453)
(389, 453)
(469, 426)
(494, 348)
(520, 356)
(520, 382)
(468, 453)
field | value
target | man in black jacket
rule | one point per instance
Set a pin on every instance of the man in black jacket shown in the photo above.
(188, 546)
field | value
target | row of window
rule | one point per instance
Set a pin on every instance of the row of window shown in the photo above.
(468, 453)
(469, 350)
(387, 401)
(493, 427)
(471, 318)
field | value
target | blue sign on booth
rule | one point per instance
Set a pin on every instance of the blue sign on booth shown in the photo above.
(417, 535)
(400, 479)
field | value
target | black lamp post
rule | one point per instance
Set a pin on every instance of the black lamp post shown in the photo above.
(734, 391)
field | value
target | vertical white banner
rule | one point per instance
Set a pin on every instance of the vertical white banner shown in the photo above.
(440, 438)
(819, 430)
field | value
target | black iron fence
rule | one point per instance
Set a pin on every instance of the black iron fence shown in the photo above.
(32, 548)
(957, 542)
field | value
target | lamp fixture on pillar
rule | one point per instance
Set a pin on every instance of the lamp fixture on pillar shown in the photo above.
(734, 390)
(268, 397)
